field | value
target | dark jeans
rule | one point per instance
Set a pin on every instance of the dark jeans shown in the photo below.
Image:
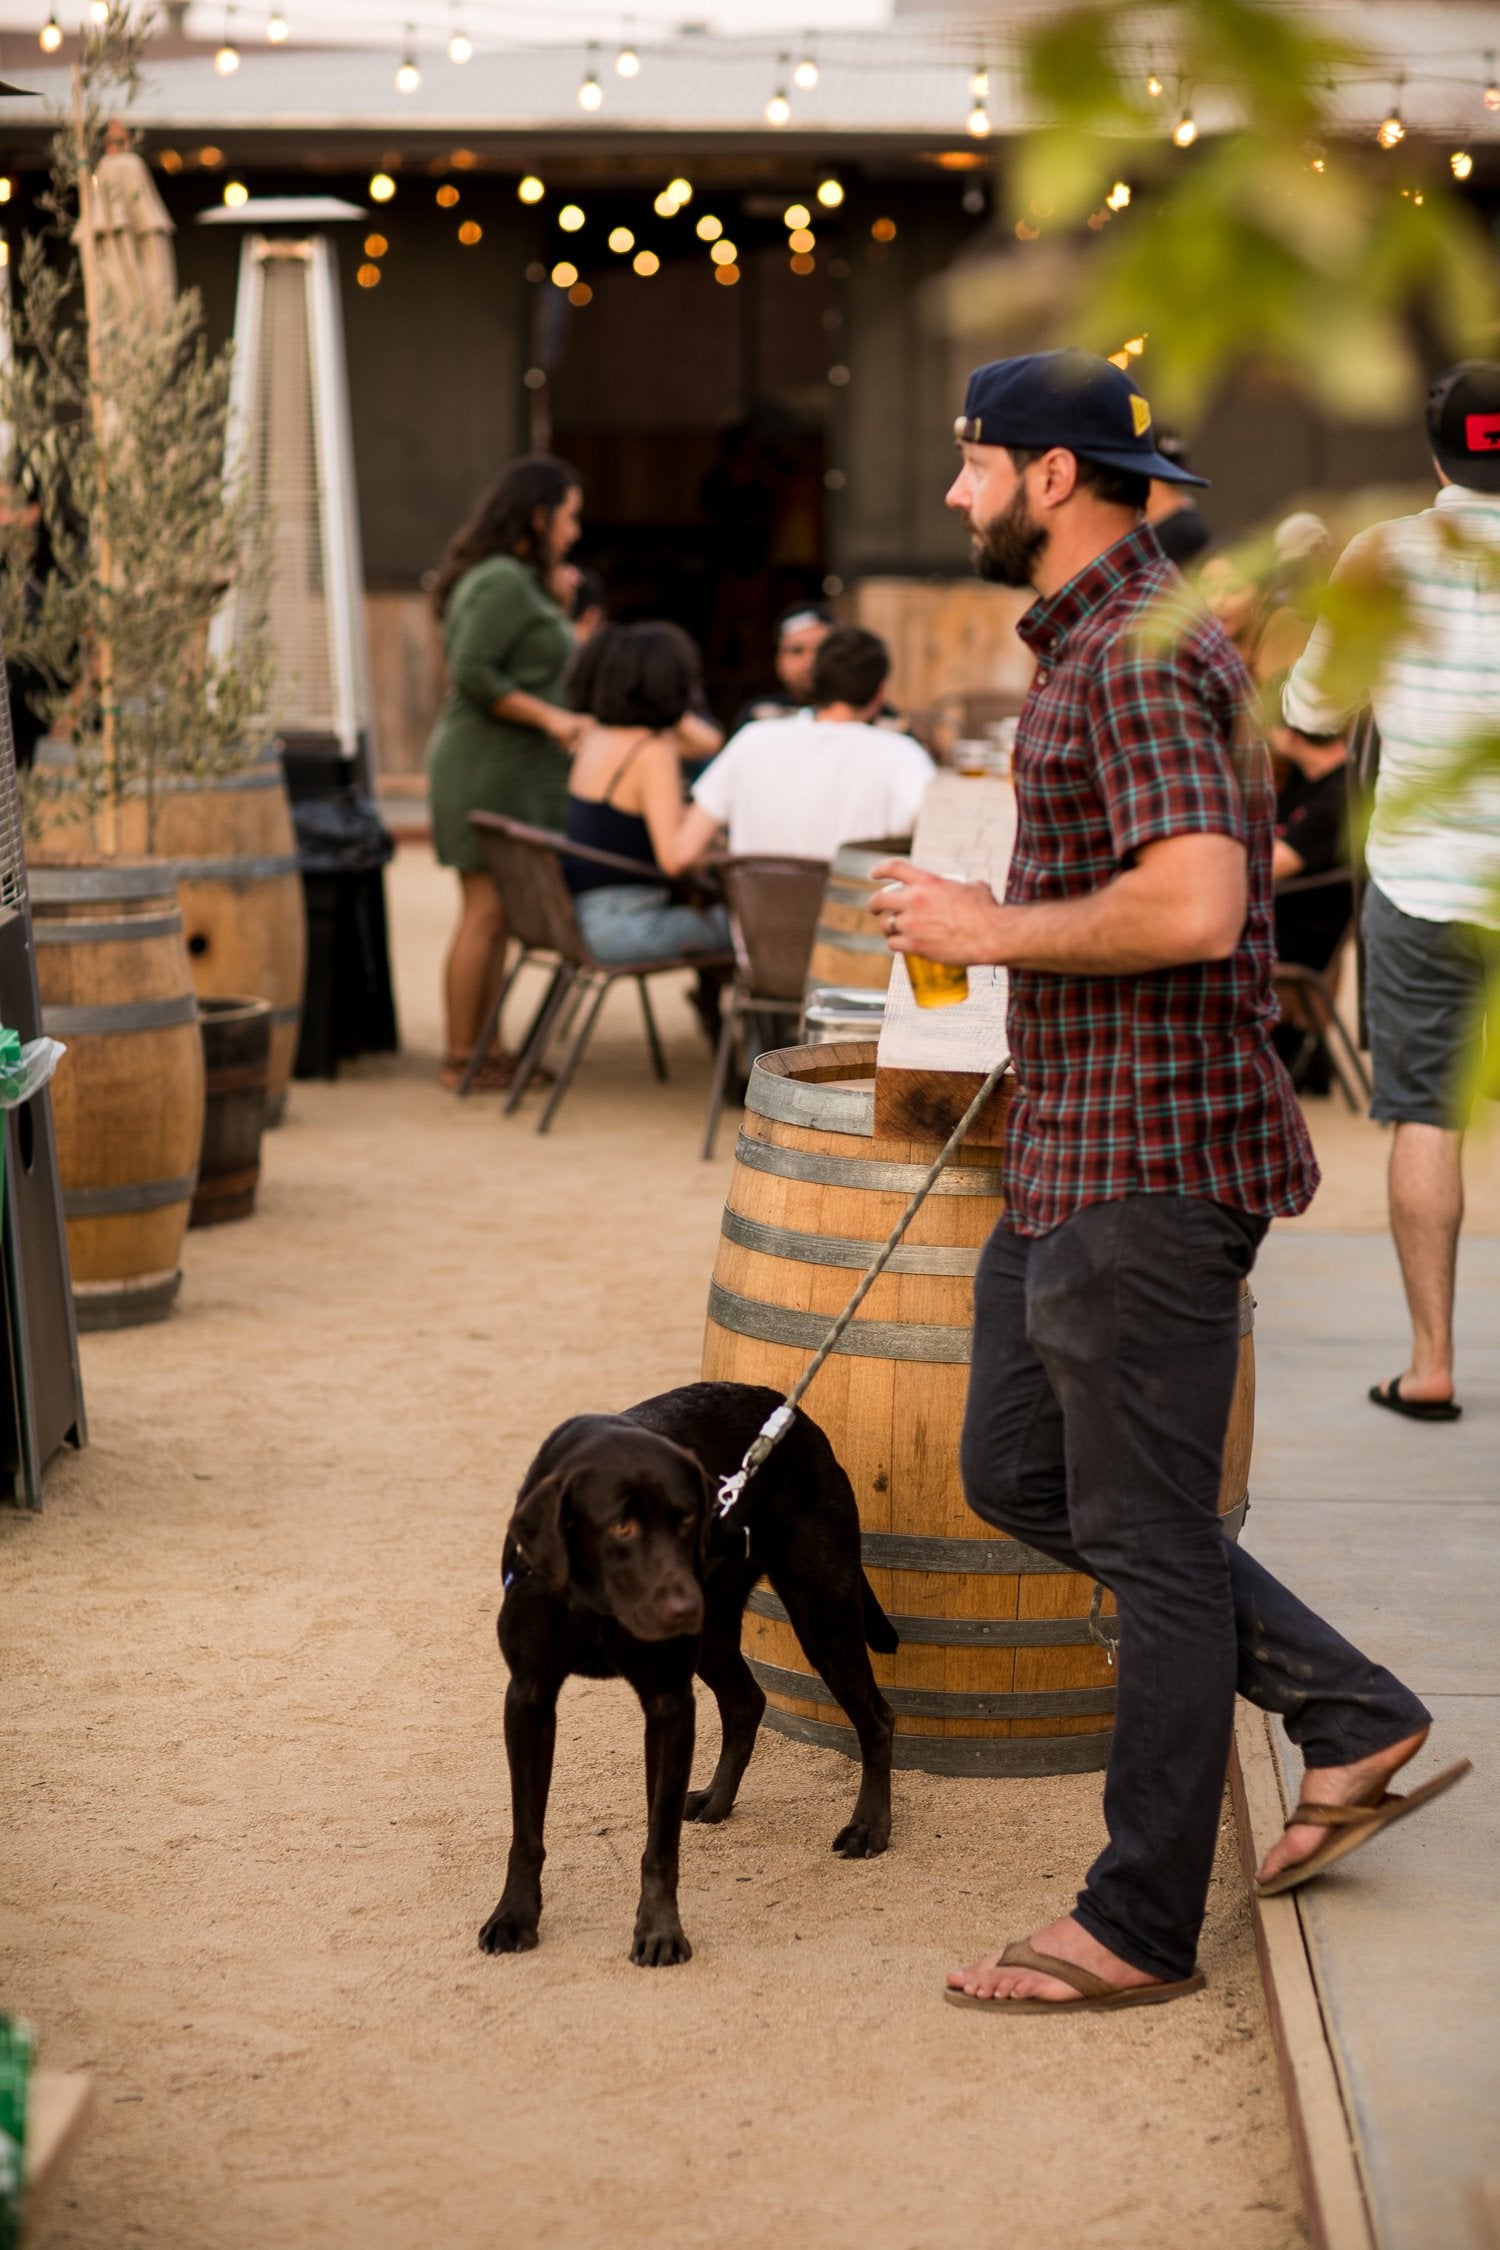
(1103, 1370)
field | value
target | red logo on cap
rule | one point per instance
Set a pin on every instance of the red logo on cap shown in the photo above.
(1482, 433)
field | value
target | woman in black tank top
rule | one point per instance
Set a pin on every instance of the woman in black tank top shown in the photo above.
(634, 683)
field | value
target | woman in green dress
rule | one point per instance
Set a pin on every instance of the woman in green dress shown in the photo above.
(503, 740)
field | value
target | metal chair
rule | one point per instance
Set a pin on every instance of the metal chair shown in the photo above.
(773, 916)
(1309, 1004)
(526, 866)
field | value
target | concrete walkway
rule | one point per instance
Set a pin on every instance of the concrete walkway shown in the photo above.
(1392, 1529)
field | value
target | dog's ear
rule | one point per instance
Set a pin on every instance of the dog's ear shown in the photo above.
(706, 1512)
(536, 1526)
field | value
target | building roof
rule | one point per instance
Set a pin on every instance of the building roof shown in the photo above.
(910, 79)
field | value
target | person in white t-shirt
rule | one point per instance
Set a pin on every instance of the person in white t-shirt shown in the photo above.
(805, 784)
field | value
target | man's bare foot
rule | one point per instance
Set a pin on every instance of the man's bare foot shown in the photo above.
(1069, 1941)
(1359, 1784)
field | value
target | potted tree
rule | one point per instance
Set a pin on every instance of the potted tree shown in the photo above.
(120, 541)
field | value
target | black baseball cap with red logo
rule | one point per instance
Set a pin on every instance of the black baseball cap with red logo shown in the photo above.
(1463, 423)
(1070, 399)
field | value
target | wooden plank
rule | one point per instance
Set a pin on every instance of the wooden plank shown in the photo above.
(932, 1061)
(1327, 2154)
(56, 2103)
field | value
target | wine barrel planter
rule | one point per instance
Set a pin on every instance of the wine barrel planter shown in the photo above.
(128, 1095)
(237, 1058)
(997, 1672)
(849, 948)
(233, 851)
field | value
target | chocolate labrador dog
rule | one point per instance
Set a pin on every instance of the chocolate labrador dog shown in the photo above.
(616, 1565)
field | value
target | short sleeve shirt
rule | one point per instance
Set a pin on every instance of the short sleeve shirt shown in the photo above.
(1138, 726)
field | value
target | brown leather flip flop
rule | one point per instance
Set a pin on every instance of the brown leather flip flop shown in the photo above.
(1093, 1992)
(1353, 1825)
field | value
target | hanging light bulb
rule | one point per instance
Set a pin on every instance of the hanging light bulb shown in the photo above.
(226, 61)
(830, 193)
(979, 122)
(805, 76)
(50, 37)
(1491, 95)
(1461, 163)
(531, 189)
(627, 63)
(1185, 131)
(979, 84)
(460, 46)
(98, 13)
(278, 30)
(408, 77)
(778, 108)
(1392, 132)
(591, 93)
(680, 190)
(382, 187)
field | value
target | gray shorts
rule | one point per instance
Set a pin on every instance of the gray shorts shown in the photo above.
(1424, 1002)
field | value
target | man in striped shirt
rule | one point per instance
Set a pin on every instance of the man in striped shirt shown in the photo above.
(1432, 909)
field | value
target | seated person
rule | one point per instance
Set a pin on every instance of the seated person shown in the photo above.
(805, 784)
(1173, 512)
(800, 633)
(1312, 822)
(636, 684)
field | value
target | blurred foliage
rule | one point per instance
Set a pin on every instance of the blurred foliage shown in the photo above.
(1278, 240)
(118, 538)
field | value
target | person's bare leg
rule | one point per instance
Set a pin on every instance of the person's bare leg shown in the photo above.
(1427, 1208)
(475, 960)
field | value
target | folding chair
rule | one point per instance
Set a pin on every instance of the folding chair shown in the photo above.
(526, 866)
(1309, 1004)
(773, 916)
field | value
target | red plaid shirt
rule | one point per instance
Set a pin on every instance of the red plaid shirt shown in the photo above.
(1138, 726)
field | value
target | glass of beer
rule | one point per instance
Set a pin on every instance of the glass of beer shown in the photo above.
(934, 984)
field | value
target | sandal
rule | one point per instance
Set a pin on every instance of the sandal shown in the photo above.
(493, 1076)
(1351, 1826)
(1093, 1992)
(1417, 1409)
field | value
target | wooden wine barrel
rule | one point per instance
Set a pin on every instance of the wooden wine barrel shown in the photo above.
(128, 1095)
(997, 1672)
(849, 947)
(234, 854)
(237, 1060)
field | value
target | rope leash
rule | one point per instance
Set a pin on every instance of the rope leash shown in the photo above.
(779, 1421)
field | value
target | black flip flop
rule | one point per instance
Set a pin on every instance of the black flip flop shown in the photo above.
(1415, 1409)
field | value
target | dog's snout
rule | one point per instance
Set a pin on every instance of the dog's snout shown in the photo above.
(680, 1607)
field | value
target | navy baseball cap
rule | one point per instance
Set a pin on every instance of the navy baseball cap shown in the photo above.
(1463, 423)
(1071, 399)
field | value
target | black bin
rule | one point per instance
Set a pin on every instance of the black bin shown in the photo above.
(342, 847)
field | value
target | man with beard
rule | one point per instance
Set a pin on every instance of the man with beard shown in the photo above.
(1153, 1137)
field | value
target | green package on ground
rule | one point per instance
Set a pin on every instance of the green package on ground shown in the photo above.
(15, 2071)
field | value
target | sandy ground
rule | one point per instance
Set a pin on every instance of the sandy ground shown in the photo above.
(256, 1786)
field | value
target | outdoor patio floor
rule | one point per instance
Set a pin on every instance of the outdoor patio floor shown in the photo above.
(1392, 1529)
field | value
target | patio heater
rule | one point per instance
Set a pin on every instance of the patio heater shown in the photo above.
(290, 433)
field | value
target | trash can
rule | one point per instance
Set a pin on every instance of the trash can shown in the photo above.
(342, 848)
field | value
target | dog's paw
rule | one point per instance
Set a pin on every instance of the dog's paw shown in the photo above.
(660, 1949)
(862, 1839)
(508, 1931)
(703, 1805)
